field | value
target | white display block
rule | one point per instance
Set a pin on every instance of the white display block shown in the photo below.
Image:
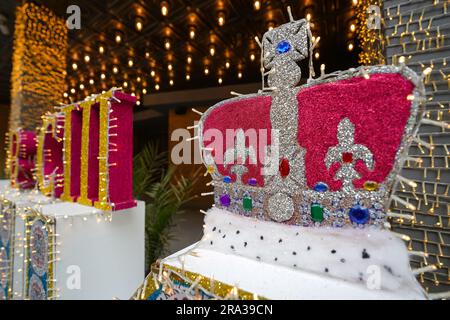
(108, 254)
(97, 255)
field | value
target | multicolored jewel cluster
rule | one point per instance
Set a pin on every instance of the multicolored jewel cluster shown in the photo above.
(318, 207)
(246, 200)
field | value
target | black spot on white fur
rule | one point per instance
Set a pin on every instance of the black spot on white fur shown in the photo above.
(365, 255)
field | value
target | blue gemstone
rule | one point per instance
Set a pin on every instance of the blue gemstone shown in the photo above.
(283, 47)
(321, 187)
(252, 182)
(227, 179)
(358, 214)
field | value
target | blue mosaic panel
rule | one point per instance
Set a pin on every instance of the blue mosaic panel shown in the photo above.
(38, 266)
(6, 250)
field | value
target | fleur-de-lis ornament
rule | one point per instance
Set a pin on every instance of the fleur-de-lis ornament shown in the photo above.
(347, 153)
(238, 155)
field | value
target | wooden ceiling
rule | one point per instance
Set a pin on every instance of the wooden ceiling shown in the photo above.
(157, 67)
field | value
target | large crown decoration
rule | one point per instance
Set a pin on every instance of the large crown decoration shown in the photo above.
(325, 153)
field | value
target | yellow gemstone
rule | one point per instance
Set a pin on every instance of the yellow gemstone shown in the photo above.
(370, 185)
(210, 169)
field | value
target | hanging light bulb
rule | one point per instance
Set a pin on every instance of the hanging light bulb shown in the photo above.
(169, 67)
(65, 95)
(72, 91)
(192, 32)
(206, 70)
(212, 50)
(188, 77)
(91, 81)
(118, 38)
(139, 24)
(167, 44)
(257, 5)
(144, 91)
(221, 18)
(220, 80)
(81, 86)
(227, 64)
(239, 75)
(125, 84)
(138, 79)
(350, 47)
(152, 73)
(87, 58)
(130, 62)
(252, 56)
(103, 76)
(316, 55)
(189, 59)
(270, 25)
(74, 66)
(156, 86)
(115, 69)
(171, 82)
(164, 8)
(352, 27)
(101, 49)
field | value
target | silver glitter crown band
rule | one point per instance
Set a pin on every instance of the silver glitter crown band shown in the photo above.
(285, 198)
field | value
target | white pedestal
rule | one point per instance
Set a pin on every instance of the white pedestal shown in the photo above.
(278, 261)
(108, 254)
(105, 252)
(275, 282)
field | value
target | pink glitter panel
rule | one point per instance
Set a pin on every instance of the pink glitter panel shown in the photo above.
(121, 175)
(251, 113)
(25, 161)
(53, 155)
(27, 144)
(378, 108)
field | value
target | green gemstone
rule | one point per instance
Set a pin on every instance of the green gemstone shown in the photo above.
(316, 212)
(247, 204)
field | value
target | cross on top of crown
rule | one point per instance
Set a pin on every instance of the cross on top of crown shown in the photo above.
(289, 40)
(282, 48)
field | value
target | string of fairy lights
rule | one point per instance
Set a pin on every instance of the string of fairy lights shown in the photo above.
(415, 35)
(38, 77)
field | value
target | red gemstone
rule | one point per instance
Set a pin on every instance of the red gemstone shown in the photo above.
(284, 168)
(347, 157)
